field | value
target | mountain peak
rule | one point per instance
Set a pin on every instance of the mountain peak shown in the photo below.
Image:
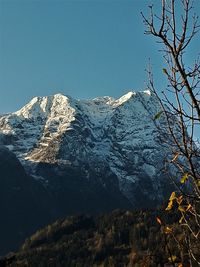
(124, 98)
(43, 105)
(131, 95)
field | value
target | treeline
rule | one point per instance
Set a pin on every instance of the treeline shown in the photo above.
(121, 238)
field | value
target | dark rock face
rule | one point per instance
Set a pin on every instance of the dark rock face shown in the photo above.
(73, 193)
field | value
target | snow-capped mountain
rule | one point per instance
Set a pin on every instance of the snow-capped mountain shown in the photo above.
(61, 156)
(111, 142)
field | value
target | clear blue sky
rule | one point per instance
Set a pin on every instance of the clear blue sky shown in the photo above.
(83, 48)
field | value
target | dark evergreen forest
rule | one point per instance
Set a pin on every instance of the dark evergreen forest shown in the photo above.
(120, 238)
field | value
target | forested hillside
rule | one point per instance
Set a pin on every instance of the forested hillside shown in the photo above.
(120, 238)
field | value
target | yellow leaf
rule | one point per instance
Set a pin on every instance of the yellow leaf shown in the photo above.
(172, 258)
(173, 196)
(167, 230)
(158, 220)
(184, 178)
(170, 205)
(198, 183)
(171, 199)
(189, 207)
(181, 208)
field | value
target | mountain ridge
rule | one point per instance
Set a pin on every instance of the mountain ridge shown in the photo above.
(82, 156)
(104, 130)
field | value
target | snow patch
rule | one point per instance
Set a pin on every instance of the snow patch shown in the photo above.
(124, 99)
